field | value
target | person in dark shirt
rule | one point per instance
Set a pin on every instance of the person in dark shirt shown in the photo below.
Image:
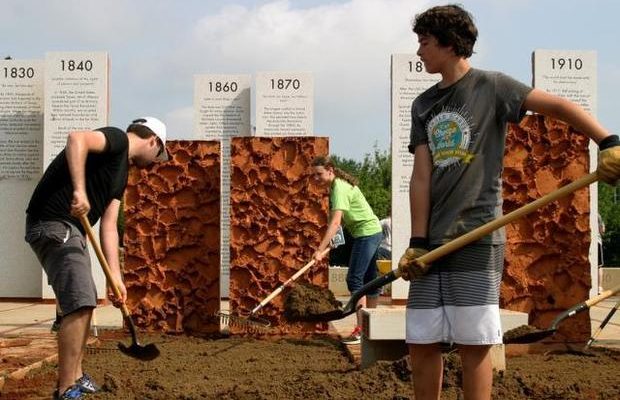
(87, 178)
(458, 129)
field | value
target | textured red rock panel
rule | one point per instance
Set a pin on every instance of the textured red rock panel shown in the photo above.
(172, 240)
(547, 269)
(278, 214)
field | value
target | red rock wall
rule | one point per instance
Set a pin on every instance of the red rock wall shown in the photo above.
(547, 269)
(278, 215)
(172, 240)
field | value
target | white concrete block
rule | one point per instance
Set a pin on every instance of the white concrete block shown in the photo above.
(610, 278)
(389, 323)
(338, 281)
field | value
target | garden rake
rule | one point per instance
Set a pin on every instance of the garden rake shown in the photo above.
(254, 324)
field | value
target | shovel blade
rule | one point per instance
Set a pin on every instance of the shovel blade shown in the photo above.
(325, 317)
(530, 337)
(143, 353)
(332, 315)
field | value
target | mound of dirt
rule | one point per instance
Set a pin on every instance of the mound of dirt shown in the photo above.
(306, 300)
(519, 332)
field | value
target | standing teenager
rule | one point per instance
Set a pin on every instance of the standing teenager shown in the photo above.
(458, 137)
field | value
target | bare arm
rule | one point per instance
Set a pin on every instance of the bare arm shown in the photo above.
(108, 234)
(79, 144)
(559, 108)
(334, 222)
(420, 192)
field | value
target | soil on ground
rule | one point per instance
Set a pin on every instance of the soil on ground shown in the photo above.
(311, 368)
(306, 300)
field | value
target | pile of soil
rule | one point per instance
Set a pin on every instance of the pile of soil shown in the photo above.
(307, 300)
(313, 368)
(520, 332)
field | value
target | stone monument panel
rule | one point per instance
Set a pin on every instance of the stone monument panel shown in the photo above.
(409, 79)
(568, 73)
(21, 119)
(76, 96)
(21, 149)
(572, 74)
(284, 104)
(222, 107)
(76, 99)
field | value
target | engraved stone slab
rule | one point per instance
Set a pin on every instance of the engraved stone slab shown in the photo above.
(284, 104)
(408, 80)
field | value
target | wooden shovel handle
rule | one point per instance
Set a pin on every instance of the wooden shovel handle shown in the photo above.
(102, 261)
(288, 282)
(604, 295)
(489, 227)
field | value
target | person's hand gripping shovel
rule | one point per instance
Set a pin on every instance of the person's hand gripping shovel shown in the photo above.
(135, 350)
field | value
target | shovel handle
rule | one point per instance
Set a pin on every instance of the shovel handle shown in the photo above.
(584, 305)
(288, 282)
(102, 260)
(604, 295)
(491, 226)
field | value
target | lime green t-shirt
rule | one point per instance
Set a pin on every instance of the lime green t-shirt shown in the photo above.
(358, 217)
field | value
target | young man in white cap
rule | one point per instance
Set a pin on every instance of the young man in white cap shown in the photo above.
(88, 177)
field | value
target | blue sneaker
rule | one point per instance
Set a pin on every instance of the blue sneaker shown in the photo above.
(87, 384)
(72, 393)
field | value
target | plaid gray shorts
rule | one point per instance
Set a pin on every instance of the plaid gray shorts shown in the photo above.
(62, 251)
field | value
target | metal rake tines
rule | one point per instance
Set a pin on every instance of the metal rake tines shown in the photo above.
(250, 324)
(100, 350)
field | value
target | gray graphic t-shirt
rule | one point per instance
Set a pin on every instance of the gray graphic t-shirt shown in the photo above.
(464, 126)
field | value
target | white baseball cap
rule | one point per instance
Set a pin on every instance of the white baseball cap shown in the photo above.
(159, 129)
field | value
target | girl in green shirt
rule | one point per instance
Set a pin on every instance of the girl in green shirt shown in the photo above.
(349, 207)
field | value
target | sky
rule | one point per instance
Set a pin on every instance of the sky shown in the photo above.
(157, 46)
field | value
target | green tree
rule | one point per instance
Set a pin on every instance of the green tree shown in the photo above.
(375, 178)
(609, 208)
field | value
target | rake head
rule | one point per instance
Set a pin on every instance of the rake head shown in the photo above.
(250, 324)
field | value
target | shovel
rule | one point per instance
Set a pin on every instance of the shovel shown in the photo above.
(535, 336)
(455, 244)
(602, 325)
(136, 350)
(251, 321)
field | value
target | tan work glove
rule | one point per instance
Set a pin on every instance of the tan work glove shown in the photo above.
(408, 265)
(609, 160)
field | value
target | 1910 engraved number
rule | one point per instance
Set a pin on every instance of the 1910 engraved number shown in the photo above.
(568, 63)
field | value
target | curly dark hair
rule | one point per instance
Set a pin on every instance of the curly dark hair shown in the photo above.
(451, 25)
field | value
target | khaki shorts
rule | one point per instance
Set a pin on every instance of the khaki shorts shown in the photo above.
(62, 251)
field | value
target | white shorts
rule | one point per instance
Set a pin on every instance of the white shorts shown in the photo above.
(474, 325)
(457, 301)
